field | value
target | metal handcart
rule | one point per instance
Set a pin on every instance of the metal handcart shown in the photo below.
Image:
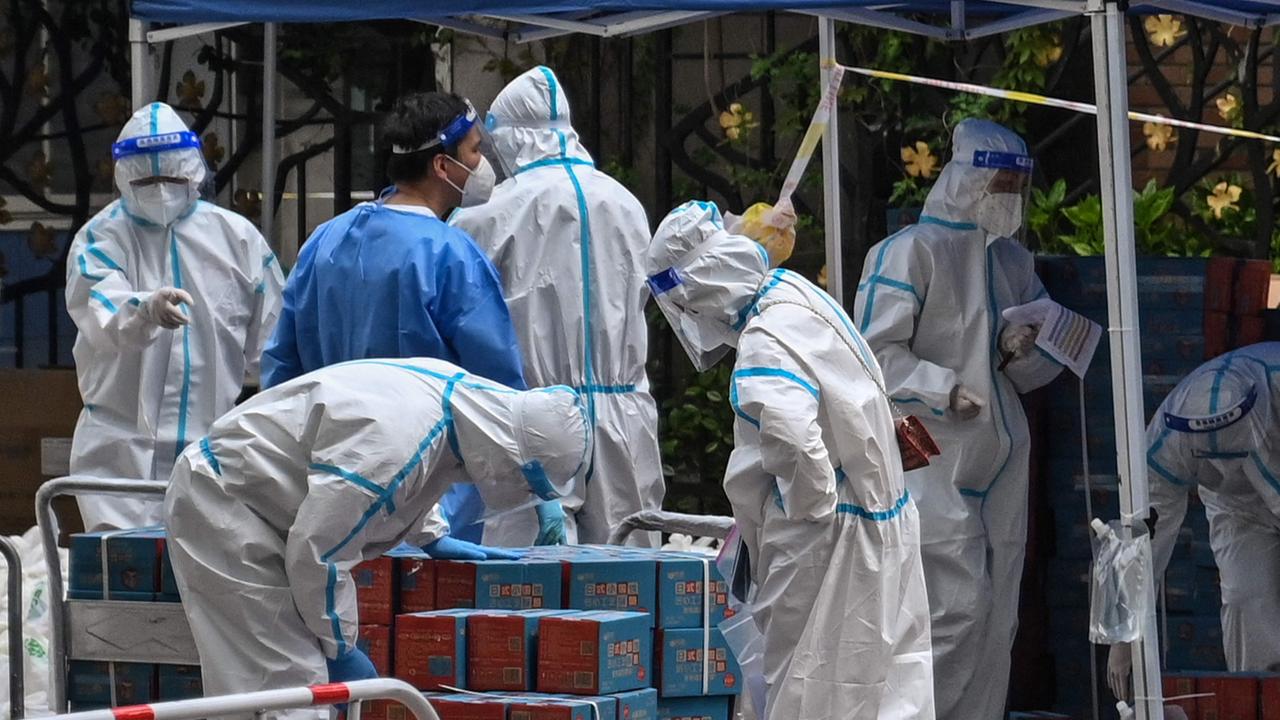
(17, 691)
(712, 526)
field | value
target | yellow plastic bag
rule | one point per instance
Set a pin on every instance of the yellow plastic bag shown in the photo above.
(772, 227)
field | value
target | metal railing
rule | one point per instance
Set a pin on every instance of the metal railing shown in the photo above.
(264, 701)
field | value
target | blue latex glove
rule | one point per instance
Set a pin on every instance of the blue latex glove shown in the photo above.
(551, 524)
(449, 548)
(354, 665)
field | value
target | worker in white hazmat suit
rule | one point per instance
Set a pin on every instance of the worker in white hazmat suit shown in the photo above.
(1217, 433)
(815, 478)
(173, 298)
(930, 305)
(569, 242)
(268, 513)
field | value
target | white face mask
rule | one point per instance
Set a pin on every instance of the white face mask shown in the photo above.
(162, 203)
(1000, 214)
(479, 185)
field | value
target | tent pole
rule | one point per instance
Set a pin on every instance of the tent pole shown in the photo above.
(831, 168)
(269, 136)
(1111, 90)
(139, 63)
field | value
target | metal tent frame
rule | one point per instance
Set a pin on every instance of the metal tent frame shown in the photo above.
(963, 20)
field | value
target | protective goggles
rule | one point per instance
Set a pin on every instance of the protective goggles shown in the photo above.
(1215, 422)
(152, 144)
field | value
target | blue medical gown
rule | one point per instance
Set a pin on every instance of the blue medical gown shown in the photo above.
(382, 282)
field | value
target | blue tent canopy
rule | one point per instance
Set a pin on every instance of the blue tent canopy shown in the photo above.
(1241, 12)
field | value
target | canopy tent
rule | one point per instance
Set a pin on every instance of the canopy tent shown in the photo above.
(525, 21)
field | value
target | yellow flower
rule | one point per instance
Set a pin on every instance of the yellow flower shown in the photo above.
(1223, 198)
(113, 108)
(190, 90)
(1274, 167)
(734, 120)
(1049, 55)
(213, 152)
(41, 242)
(1228, 106)
(1159, 137)
(822, 277)
(38, 171)
(921, 162)
(1164, 30)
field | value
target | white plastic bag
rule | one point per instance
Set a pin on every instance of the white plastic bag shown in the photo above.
(1117, 594)
(36, 625)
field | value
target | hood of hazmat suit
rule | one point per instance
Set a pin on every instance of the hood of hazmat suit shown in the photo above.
(1216, 433)
(269, 513)
(150, 391)
(929, 304)
(815, 478)
(569, 244)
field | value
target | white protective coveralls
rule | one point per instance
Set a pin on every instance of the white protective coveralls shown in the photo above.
(148, 391)
(815, 478)
(569, 242)
(268, 514)
(1218, 432)
(929, 305)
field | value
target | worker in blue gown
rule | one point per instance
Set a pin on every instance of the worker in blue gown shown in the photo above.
(389, 279)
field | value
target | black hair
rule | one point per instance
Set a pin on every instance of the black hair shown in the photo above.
(414, 120)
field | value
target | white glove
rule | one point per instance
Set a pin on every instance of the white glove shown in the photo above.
(1119, 664)
(163, 308)
(1019, 340)
(965, 404)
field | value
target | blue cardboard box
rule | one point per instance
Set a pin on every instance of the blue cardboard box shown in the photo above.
(701, 708)
(626, 582)
(685, 581)
(499, 584)
(134, 564)
(686, 653)
(89, 684)
(638, 704)
(178, 682)
(595, 653)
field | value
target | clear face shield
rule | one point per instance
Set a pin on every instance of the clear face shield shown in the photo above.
(451, 135)
(162, 168)
(705, 339)
(1002, 207)
(1223, 437)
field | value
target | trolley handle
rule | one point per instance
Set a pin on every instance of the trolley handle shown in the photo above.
(259, 702)
(713, 526)
(48, 523)
(17, 668)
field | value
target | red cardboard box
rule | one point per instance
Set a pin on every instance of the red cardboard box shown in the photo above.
(375, 641)
(384, 710)
(1252, 286)
(1269, 695)
(502, 649)
(431, 649)
(556, 709)
(417, 583)
(1235, 697)
(1177, 685)
(462, 707)
(594, 653)
(1219, 284)
(375, 590)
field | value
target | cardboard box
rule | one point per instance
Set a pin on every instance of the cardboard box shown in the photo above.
(1268, 697)
(637, 704)
(502, 649)
(178, 682)
(549, 708)
(1235, 697)
(168, 583)
(133, 564)
(683, 657)
(681, 591)
(431, 649)
(469, 707)
(89, 684)
(417, 575)
(41, 405)
(594, 653)
(1179, 685)
(498, 584)
(703, 708)
(624, 583)
(375, 590)
(384, 710)
(375, 641)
